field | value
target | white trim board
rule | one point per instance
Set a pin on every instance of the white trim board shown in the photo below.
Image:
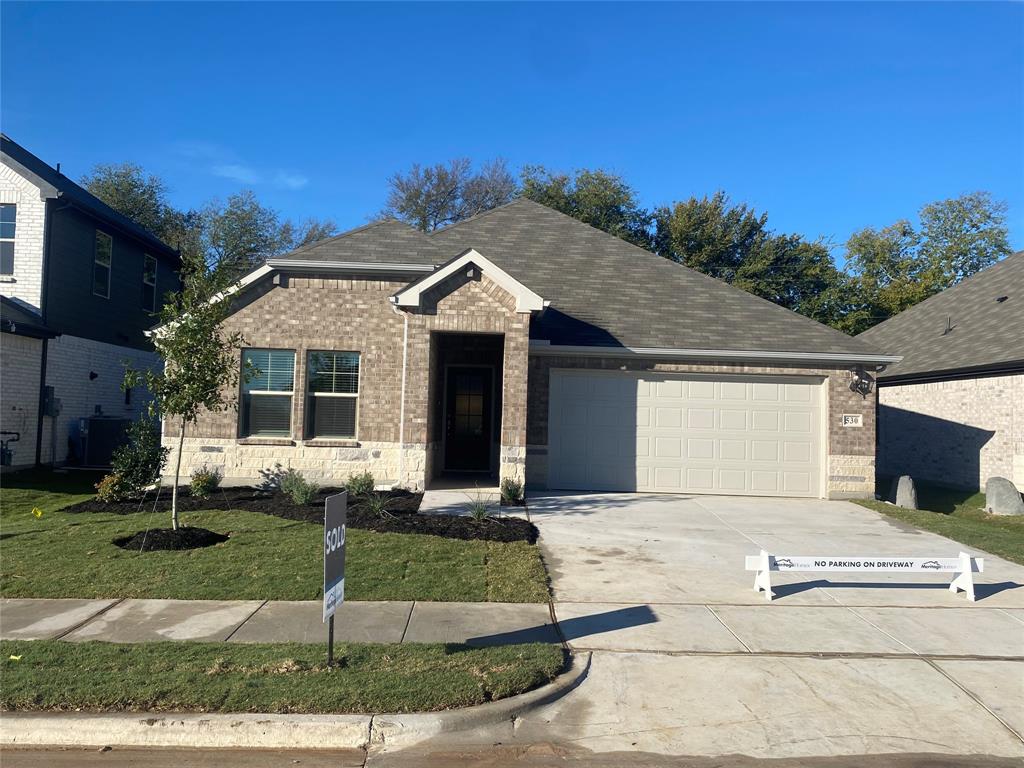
(526, 300)
(540, 347)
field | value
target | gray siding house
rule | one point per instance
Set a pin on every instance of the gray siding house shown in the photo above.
(80, 284)
(952, 411)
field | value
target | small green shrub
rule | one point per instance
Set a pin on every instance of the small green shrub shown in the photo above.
(478, 510)
(360, 485)
(113, 488)
(511, 491)
(137, 463)
(376, 504)
(301, 490)
(205, 481)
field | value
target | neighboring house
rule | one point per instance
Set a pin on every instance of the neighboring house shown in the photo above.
(952, 411)
(80, 285)
(523, 341)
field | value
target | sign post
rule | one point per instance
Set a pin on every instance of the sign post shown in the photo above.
(335, 519)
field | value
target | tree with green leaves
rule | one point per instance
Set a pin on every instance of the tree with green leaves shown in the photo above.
(893, 268)
(431, 197)
(601, 199)
(200, 358)
(132, 192)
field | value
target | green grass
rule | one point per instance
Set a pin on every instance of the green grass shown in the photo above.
(960, 515)
(228, 677)
(64, 554)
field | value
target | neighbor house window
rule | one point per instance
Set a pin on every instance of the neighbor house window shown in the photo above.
(333, 400)
(267, 396)
(8, 220)
(102, 259)
(149, 283)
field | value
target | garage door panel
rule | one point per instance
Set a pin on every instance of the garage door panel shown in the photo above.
(685, 433)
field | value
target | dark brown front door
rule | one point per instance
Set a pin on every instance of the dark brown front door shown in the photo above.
(468, 417)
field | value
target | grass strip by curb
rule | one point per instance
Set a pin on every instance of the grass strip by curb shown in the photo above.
(52, 675)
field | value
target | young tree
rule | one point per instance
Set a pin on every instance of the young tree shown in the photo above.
(431, 197)
(200, 360)
(598, 198)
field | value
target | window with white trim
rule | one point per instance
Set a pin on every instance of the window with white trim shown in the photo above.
(103, 257)
(267, 397)
(149, 283)
(332, 402)
(8, 223)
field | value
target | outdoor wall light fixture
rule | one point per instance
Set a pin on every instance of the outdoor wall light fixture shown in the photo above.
(93, 375)
(860, 381)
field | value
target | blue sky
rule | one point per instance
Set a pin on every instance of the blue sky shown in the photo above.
(829, 116)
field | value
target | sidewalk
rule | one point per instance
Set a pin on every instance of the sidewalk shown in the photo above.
(253, 621)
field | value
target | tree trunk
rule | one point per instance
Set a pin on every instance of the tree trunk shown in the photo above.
(177, 472)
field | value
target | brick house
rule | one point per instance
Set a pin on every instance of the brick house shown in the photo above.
(952, 411)
(80, 285)
(523, 343)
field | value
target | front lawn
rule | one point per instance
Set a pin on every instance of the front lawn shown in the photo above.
(961, 516)
(228, 677)
(64, 554)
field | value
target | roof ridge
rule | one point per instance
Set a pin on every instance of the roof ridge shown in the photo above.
(476, 216)
(346, 233)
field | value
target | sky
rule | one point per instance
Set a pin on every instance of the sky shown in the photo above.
(828, 116)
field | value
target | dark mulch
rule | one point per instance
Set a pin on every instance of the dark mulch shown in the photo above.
(168, 538)
(402, 513)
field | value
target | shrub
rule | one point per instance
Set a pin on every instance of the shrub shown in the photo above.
(137, 463)
(113, 488)
(478, 509)
(205, 481)
(377, 504)
(511, 491)
(301, 490)
(360, 485)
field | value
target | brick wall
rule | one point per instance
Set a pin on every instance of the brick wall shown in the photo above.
(20, 358)
(850, 451)
(354, 314)
(26, 284)
(957, 433)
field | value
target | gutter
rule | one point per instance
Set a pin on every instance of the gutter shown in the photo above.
(291, 265)
(1009, 368)
(545, 348)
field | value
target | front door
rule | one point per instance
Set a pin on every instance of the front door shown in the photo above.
(468, 420)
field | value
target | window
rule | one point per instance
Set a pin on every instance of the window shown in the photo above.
(102, 259)
(333, 394)
(149, 284)
(8, 220)
(267, 396)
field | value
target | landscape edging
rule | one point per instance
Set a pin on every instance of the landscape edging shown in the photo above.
(271, 731)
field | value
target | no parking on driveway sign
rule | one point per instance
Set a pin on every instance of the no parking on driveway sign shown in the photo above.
(335, 517)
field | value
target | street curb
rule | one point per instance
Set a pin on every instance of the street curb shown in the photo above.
(270, 731)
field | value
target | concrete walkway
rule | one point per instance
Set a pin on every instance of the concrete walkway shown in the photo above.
(255, 621)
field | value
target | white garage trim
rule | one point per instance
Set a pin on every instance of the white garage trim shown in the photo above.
(735, 434)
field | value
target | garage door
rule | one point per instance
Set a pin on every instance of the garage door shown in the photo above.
(622, 431)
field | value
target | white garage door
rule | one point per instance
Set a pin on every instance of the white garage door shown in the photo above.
(620, 431)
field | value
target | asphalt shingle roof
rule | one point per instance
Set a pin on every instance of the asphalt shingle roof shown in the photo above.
(602, 290)
(985, 312)
(17, 319)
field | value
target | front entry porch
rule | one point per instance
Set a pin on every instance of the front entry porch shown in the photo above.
(465, 409)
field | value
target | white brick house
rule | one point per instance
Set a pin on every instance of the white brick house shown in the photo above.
(79, 284)
(952, 411)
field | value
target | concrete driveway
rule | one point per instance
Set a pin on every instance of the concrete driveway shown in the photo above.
(688, 660)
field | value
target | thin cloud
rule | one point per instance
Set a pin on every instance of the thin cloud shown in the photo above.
(290, 180)
(223, 162)
(237, 172)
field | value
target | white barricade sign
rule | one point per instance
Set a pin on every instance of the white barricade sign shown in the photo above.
(963, 566)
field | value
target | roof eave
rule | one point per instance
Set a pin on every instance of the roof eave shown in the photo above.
(540, 347)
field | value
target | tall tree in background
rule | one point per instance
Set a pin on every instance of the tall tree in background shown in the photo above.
(239, 234)
(598, 198)
(893, 268)
(130, 191)
(431, 197)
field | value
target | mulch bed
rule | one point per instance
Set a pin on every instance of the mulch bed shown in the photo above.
(168, 538)
(402, 513)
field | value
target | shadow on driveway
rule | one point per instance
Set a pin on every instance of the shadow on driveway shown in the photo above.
(572, 629)
(981, 591)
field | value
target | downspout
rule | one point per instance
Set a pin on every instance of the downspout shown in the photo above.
(49, 211)
(401, 400)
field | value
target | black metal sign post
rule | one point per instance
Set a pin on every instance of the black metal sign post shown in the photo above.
(335, 519)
